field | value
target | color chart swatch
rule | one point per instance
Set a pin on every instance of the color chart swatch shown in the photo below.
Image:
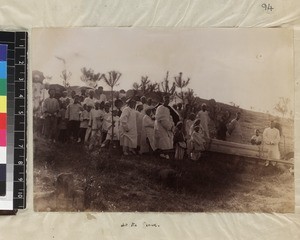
(3, 117)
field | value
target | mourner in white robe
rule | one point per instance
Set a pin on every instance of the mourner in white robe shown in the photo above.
(163, 128)
(204, 118)
(139, 121)
(271, 139)
(116, 135)
(147, 136)
(198, 141)
(128, 129)
(139, 126)
(95, 124)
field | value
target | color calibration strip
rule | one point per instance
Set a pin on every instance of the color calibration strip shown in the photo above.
(3, 117)
(16, 99)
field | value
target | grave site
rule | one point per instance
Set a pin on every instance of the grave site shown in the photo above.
(70, 177)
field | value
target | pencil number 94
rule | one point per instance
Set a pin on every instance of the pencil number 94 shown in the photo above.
(267, 7)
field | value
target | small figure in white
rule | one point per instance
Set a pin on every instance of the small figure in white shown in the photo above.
(271, 138)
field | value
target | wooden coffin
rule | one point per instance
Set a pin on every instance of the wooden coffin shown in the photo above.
(240, 149)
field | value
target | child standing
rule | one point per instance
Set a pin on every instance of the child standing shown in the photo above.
(62, 123)
(139, 123)
(73, 114)
(115, 124)
(179, 141)
(147, 136)
(84, 122)
(106, 120)
(198, 143)
(95, 123)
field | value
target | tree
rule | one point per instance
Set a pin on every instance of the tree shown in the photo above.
(65, 76)
(112, 80)
(152, 87)
(282, 106)
(180, 83)
(90, 78)
(165, 88)
(145, 81)
(190, 97)
(145, 86)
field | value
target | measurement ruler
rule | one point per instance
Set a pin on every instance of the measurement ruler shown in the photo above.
(16, 113)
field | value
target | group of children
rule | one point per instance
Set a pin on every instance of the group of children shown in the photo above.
(189, 138)
(85, 119)
(82, 119)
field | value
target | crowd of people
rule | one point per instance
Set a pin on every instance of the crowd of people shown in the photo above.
(139, 125)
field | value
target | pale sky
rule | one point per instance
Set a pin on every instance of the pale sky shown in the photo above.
(251, 67)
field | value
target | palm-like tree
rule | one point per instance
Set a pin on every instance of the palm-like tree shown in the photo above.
(145, 81)
(112, 81)
(89, 77)
(65, 76)
(166, 88)
(181, 83)
(282, 106)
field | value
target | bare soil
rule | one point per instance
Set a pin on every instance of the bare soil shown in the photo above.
(107, 181)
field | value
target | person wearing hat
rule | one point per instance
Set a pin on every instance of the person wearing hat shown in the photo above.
(256, 139)
(203, 115)
(147, 135)
(164, 128)
(128, 128)
(271, 139)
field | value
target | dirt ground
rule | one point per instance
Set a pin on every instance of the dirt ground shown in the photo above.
(100, 181)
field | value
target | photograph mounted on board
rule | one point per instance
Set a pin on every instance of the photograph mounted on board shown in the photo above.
(163, 120)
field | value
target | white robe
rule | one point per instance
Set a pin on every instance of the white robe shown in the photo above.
(163, 128)
(128, 129)
(204, 118)
(147, 133)
(116, 136)
(89, 101)
(188, 125)
(106, 121)
(139, 125)
(96, 117)
(271, 139)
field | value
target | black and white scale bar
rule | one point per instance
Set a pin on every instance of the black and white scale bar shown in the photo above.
(20, 119)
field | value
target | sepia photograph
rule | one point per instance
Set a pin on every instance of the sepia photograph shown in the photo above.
(163, 119)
